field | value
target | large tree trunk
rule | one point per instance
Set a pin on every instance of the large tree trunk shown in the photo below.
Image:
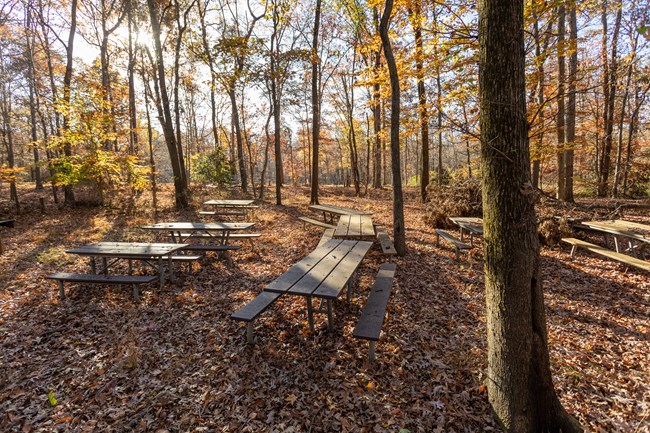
(315, 104)
(571, 104)
(399, 233)
(275, 96)
(520, 387)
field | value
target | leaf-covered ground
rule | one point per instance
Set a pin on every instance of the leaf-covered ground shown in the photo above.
(176, 362)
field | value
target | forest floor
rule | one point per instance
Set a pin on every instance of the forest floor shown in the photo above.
(100, 362)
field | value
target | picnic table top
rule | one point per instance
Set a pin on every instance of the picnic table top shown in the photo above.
(472, 224)
(324, 272)
(187, 226)
(229, 202)
(354, 226)
(339, 210)
(127, 249)
(638, 231)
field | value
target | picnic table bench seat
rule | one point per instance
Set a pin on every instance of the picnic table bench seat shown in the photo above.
(386, 243)
(620, 257)
(209, 236)
(249, 312)
(327, 235)
(134, 280)
(372, 317)
(316, 223)
(457, 243)
(221, 213)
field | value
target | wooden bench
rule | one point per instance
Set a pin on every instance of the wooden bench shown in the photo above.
(372, 316)
(223, 250)
(386, 243)
(316, 223)
(620, 257)
(62, 277)
(327, 235)
(249, 312)
(457, 243)
(222, 213)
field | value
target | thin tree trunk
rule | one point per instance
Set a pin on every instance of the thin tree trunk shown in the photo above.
(423, 111)
(560, 118)
(315, 104)
(399, 233)
(67, 79)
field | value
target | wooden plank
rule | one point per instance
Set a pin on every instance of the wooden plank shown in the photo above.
(339, 210)
(229, 202)
(354, 230)
(285, 281)
(386, 242)
(255, 307)
(453, 240)
(343, 227)
(212, 247)
(107, 279)
(316, 275)
(316, 222)
(367, 227)
(372, 316)
(620, 257)
(327, 235)
(335, 282)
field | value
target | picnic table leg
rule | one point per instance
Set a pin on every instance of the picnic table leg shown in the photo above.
(105, 264)
(136, 293)
(161, 271)
(310, 314)
(462, 233)
(93, 266)
(371, 351)
(348, 289)
(616, 245)
(61, 291)
(574, 248)
(330, 325)
(250, 337)
(171, 268)
(130, 266)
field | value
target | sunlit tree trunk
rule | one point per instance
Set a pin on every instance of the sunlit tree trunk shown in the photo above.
(67, 79)
(560, 117)
(423, 110)
(315, 104)
(399, 232)
(519, 380)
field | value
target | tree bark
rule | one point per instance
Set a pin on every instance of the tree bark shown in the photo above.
(68, 193)
(315, 104)
(519, 383)
(399, 233)
(560, 118)
(571, 104)
(423, 111)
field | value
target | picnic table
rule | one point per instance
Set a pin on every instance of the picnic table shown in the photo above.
(157, 255)
(229, 203)
(182, 231)
(323, 274)
(472, 225)
(637, 234)
(354, 227)
(331, 210)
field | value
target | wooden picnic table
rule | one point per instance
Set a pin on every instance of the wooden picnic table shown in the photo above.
(323, 274)
(332, 210)
(633, 232)
(181, 231)
(148, 253)
(354, 227)
(472, 225)
(229, 203)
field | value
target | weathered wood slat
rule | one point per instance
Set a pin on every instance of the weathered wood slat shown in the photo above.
(212, 247)
(106, 279)
(335, 282)
(257, 306)
(367, 227)
(372, 316)
(314, 278)
(297, 271)
(628, 260)
(327, 235)
(386, 243)
(316, 222)
(222, 213)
